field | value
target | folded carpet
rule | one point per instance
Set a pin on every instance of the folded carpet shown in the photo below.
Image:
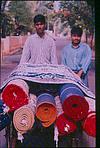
(15, 94)
(89, 124)
(46, 109)
(73, 102)
(23, 119)
(76, 107)
(64, 125)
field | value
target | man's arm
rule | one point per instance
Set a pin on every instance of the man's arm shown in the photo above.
(63, 56)
(86, 59)
(54, 59)
(26, 52)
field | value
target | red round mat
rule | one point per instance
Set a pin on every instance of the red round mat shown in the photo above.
(89, 124)
(75, 107)
(14, 97)
(64, 125)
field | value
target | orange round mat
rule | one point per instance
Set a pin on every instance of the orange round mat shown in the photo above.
(46, 113)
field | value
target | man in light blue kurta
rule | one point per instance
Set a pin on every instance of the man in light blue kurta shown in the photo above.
(77, 55)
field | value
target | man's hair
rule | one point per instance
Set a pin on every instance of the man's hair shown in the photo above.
(77, 30)
(39, 18)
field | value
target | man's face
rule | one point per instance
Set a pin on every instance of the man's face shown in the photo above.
(75, 39)
(40, 27)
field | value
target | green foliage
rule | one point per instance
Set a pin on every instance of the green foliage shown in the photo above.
(78, 12)
(81, 13)
(23, 13)
(7, 24)
(3, 4)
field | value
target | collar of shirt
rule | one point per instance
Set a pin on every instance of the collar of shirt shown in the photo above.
(76, 47)
(44, 36)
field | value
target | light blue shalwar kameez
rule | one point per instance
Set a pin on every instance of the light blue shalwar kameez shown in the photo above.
(77, 58)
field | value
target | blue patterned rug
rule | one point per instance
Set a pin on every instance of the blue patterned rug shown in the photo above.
(47, 74)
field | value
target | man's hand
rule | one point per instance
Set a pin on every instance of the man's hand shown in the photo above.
(80, 73)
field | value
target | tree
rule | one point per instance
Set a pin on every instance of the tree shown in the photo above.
(20, 11)
(81, 14)
(3, 25)
(3, 5)
(71, 12)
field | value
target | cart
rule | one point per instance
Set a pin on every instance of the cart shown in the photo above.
(46, 79)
